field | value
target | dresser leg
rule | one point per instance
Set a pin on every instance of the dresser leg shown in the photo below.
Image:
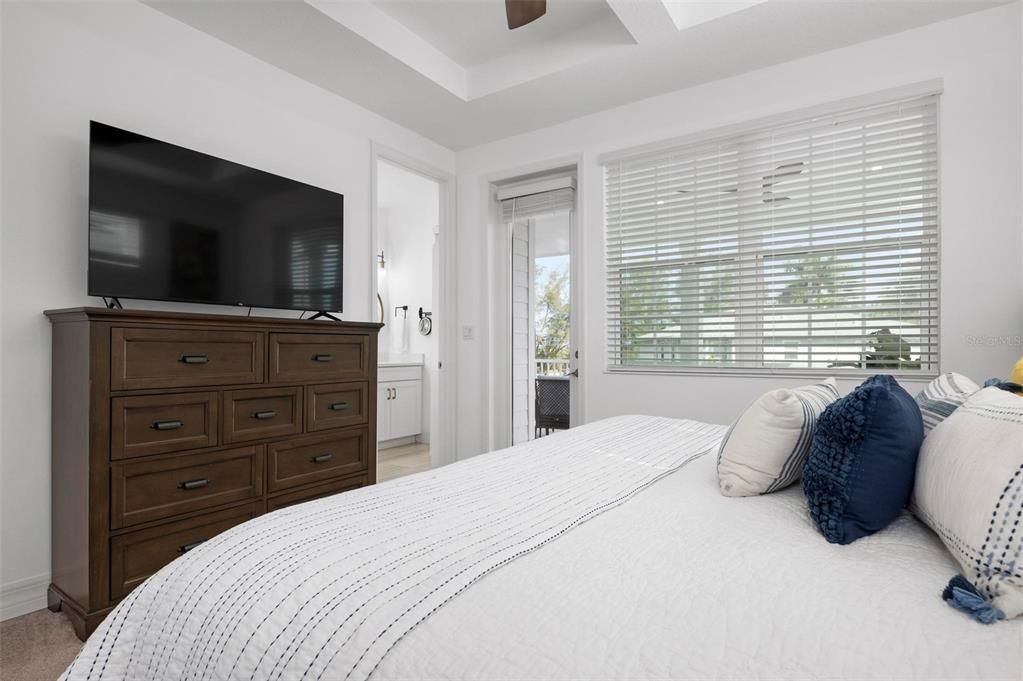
(84, 623)
(53, 599)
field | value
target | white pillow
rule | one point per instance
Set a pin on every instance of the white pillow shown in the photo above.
(942, 396)
(969, 489)
(765, 448)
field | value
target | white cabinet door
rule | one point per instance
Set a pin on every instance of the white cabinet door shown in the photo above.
(406, 409)
(384, 392)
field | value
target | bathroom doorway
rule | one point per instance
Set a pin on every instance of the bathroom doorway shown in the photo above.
(409, 212)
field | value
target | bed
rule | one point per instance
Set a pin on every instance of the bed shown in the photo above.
(601, 552)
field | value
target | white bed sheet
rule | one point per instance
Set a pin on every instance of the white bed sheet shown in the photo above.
(683, 583)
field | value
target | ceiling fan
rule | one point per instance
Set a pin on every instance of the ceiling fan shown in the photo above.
(522, 12)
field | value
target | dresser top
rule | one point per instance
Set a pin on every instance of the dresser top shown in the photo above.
(75, 314)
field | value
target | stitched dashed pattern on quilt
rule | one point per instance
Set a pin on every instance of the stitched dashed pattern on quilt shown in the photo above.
(324, 590)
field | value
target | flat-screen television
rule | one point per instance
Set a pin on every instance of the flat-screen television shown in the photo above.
(168, 223)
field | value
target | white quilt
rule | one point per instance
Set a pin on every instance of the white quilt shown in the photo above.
(668, 580)
(325, 590)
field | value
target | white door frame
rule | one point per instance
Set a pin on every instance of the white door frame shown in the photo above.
(498, 386)
(443, 442)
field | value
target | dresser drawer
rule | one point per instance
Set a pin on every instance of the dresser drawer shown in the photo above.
(178, 358)
(155, 424)
(314, 459)
(142, 491)
(137, 555)
(315, 492)
(336, 405)
(262, 413)
(296, 358)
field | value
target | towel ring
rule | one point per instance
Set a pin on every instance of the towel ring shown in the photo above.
(425, 323)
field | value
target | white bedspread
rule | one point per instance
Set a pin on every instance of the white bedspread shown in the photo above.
(325, 590)
(676, 582)
(683, 583)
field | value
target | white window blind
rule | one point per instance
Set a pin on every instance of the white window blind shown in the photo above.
(808, 245)
(535, 205)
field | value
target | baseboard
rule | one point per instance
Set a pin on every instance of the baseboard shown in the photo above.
(23, 596)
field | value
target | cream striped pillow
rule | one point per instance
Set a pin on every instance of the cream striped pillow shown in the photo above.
(969, 490)
(765, 448)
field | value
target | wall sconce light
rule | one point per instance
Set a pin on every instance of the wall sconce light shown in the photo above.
(380, 260)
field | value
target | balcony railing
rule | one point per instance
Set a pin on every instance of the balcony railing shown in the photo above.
(552, 367)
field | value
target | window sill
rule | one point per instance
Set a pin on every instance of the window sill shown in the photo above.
(837, 372)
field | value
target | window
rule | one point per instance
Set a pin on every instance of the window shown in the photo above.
(808, 245)
(313, 258)
(115, 239)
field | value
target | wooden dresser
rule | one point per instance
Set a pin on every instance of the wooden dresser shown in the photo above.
(169, 428)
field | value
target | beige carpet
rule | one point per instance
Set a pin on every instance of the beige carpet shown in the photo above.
(36, 647)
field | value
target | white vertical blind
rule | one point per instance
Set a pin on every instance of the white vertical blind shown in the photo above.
(800, 246)
(523, 344)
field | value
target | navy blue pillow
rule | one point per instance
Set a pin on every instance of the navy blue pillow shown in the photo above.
(859, 473)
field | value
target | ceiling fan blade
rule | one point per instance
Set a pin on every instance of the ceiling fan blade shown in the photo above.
(522, 12)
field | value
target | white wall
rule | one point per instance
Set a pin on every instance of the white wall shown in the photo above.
(409, 219)
(131, 66)
(978, 58)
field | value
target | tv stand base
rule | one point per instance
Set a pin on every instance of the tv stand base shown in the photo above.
(324, 315)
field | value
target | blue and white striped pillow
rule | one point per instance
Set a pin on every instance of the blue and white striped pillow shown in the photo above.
(765, 448)
(942, 396)
(969, 490)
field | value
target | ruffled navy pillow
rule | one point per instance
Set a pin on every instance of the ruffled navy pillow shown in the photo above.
(859, 473)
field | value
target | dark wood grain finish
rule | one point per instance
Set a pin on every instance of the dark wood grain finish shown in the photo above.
(262, 413)
(176, 358)
(279, 501)
(137, 555)
(71, 515)
(154, 424)
(115, 372)
(336, 405)
(298, 358)
(292, 463)
(153, 489)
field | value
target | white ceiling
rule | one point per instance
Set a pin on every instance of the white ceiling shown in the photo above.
(473, 32)
(453, 72)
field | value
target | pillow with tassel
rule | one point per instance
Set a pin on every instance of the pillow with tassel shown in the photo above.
(969, 490)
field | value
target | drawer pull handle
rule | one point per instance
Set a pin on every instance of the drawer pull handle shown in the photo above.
(323, 358)
(339, 406)
(194, 484)
(185, 548)
(264, 415)
(173, 424)
(323, 458)
(194, 359)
